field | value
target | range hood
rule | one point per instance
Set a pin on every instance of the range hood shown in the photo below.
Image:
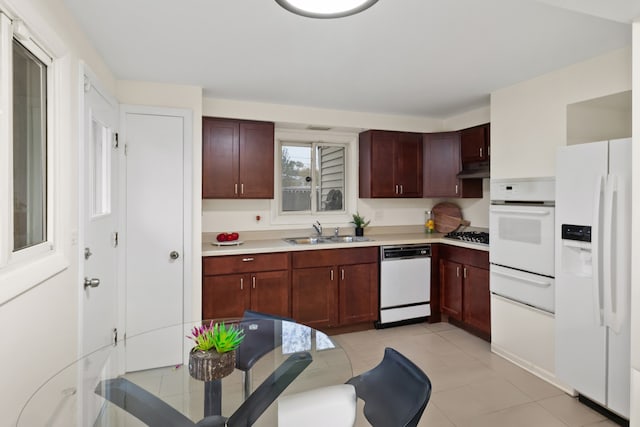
(475, 170)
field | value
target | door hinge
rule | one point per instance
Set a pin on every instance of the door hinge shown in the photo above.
(115, 336)
(116, 143)
(125, 149)
(115, 239)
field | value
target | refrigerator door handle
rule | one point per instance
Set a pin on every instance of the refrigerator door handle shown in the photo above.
(608, 272)
(596, 249)
(617, 291)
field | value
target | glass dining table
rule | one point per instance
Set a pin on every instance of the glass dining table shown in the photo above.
(285, 358)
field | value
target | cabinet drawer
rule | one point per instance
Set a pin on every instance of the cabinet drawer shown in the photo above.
(329, 257)
(245, 263)
(476, 258)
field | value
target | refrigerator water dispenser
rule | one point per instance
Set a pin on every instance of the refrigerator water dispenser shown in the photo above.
(576, 250)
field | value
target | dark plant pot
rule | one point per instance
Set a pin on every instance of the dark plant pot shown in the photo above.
(359, 231)
(211, 365)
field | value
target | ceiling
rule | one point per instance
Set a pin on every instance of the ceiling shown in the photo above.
(428, 58)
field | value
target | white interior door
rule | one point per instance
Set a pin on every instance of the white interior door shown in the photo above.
(155, 249)
(99, 297)
(99, 213)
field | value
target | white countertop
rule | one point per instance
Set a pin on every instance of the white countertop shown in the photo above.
(279, 245)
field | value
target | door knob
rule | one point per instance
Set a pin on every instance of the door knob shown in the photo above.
(174, 255)
(91, 283)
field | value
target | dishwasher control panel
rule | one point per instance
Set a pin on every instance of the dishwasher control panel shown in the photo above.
(405, 251)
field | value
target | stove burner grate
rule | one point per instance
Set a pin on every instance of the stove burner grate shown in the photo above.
(470, 236)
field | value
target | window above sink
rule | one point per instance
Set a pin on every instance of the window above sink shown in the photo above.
(316, 176)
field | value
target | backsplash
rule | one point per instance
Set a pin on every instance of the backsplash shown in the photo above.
(240, 215)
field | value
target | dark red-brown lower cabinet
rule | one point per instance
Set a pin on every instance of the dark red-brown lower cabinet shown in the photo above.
(235, 283)
(335, 287)
(464, 288)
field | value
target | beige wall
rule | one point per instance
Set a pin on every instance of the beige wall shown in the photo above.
(239, 215)
(607, 117)
(283, 114)
(39, 328)
(529, 120)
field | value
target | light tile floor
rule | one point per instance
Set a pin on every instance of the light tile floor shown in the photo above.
(472, 387)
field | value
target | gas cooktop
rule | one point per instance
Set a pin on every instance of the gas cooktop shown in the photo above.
(481, 237)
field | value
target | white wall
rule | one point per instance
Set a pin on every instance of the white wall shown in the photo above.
(38, 329)
(529, 119)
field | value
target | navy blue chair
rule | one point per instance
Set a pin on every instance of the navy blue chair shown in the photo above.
(262, 335)
(395, 392)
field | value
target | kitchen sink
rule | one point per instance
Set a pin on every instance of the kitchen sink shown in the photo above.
(325, 239)
(348, 239)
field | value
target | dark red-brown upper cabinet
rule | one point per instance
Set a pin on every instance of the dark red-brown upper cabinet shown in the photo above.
(390, 164)
(237, 159)
(442, 164)
(475, 146)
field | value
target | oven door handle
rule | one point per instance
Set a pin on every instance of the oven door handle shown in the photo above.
(538, 283)
(520, 211)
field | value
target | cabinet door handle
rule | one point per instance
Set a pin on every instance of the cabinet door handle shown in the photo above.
(241, 188)
(401, 189)
(456, 188)
(480, 151)
(332, 274)
(457, 271)
(396, 188)
(464, 271)
(235, 188)
(253, 281)
(342, 273)
(241, 283)
(247, 259)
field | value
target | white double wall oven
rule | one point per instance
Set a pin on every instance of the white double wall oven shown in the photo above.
(522, 241)
(522, 274)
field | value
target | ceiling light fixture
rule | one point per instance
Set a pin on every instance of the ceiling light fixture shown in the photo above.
(326, 8)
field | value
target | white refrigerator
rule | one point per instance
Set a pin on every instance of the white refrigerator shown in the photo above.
(593, 269)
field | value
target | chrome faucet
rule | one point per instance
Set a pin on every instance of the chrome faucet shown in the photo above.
(318, 227)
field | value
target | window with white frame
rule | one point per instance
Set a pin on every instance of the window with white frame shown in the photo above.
(29, 145)
(316, 177)
(28, 220)
(312, 177)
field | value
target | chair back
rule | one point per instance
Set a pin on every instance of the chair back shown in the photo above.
(395, 392)
(261, 336)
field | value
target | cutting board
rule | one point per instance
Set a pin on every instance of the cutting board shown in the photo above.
(447, 217)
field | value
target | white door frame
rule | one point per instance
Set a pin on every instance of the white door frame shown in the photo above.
(188, 230)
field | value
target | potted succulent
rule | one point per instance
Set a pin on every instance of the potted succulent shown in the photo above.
(360, 223)
(214, 355)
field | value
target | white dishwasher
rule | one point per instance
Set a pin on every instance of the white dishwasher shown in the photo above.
(405, 284)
